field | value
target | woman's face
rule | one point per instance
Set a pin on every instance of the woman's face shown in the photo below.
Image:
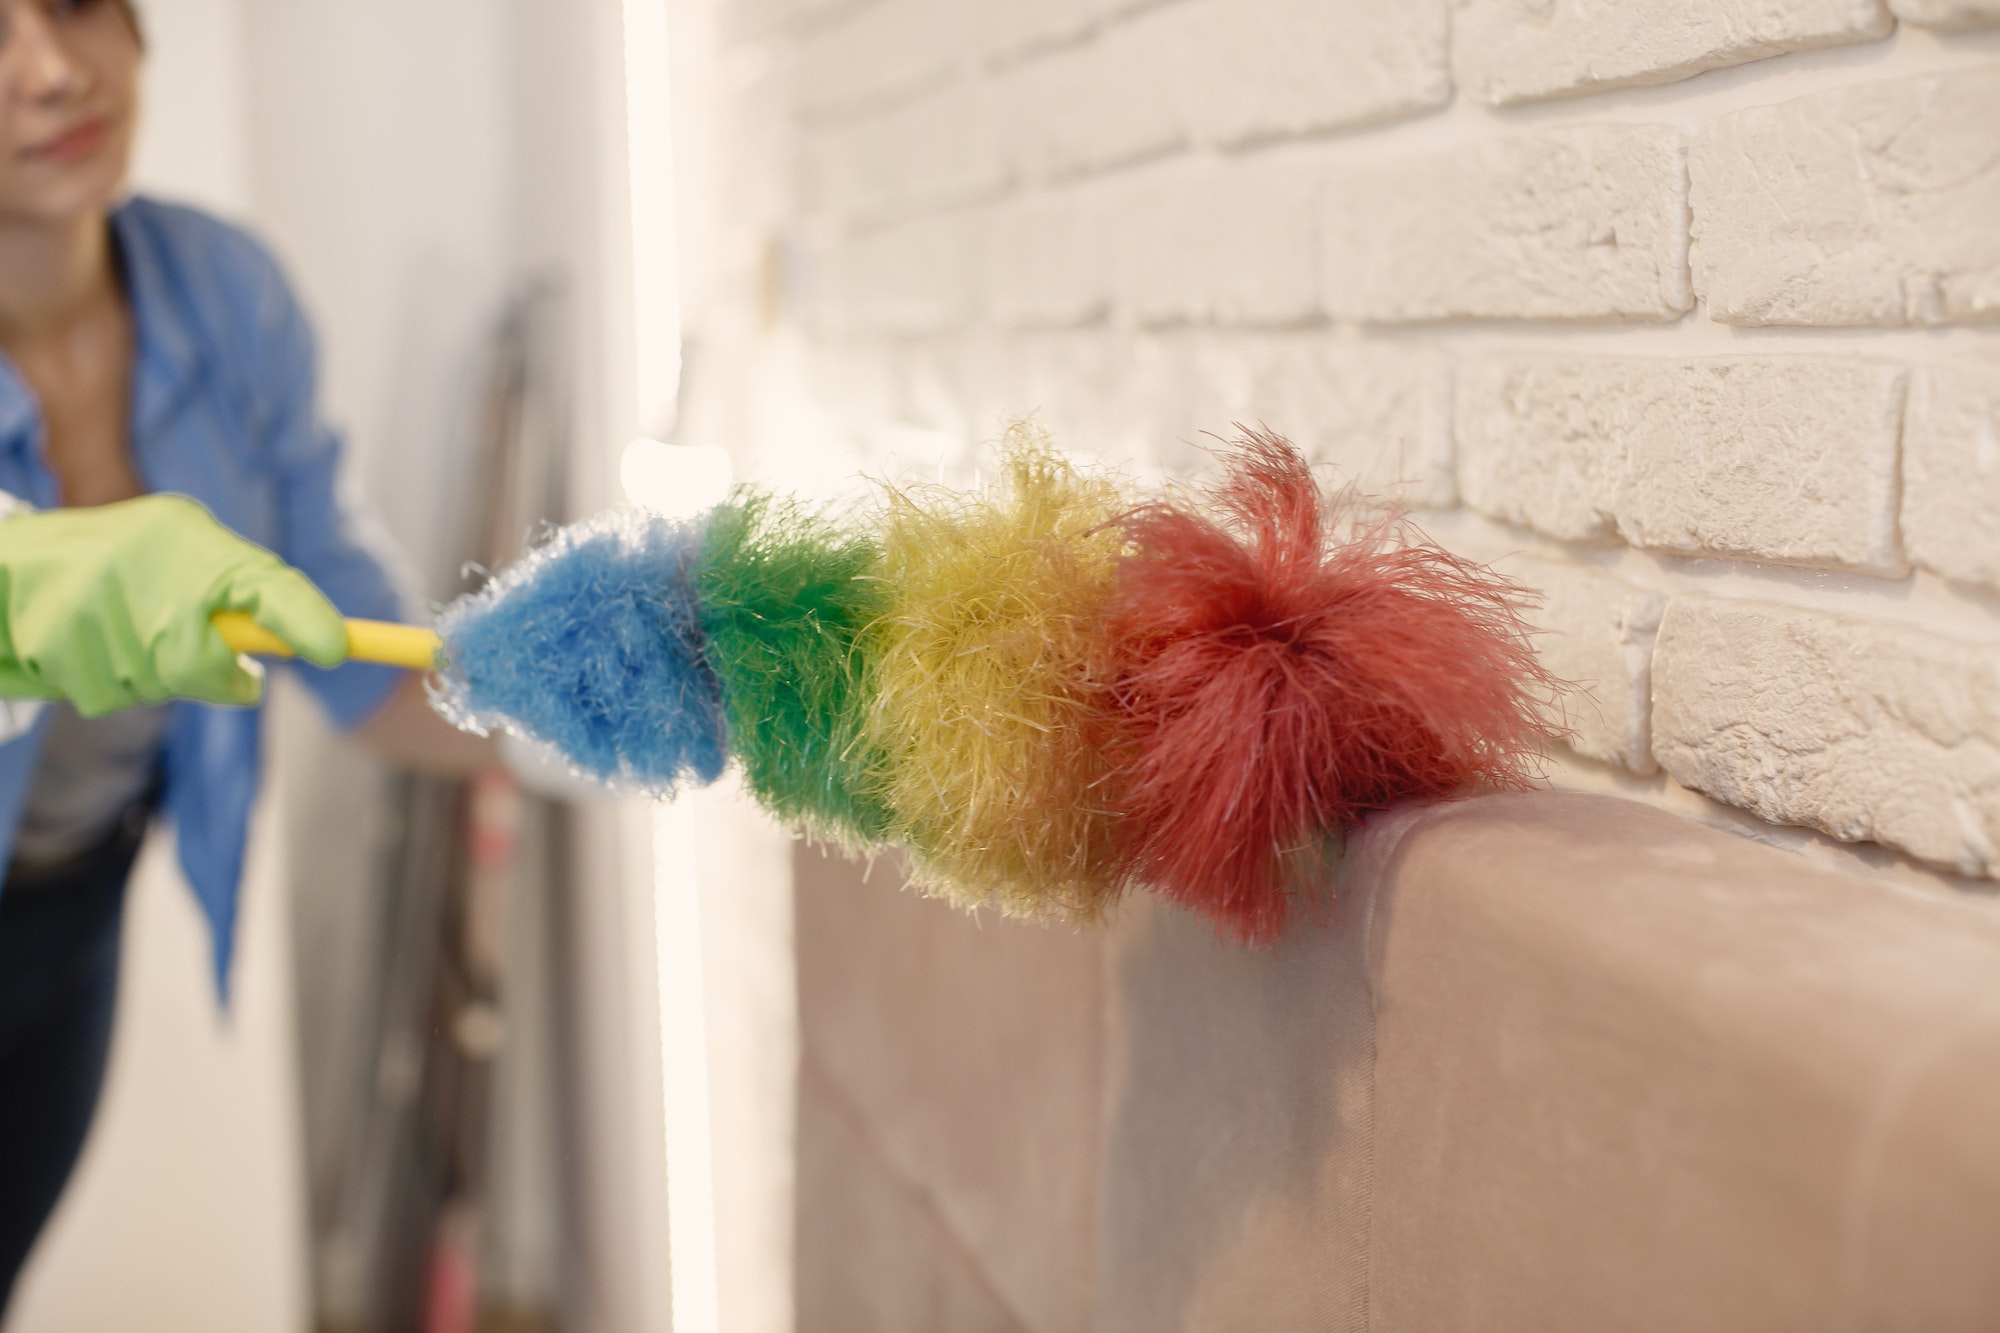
(69, 104)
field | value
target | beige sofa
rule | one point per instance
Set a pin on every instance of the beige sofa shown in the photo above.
(1548, 1062)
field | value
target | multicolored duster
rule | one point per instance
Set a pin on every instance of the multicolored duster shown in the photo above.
(1049, 690)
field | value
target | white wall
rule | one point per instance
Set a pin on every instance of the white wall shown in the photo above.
(907, 222)
(1676, 333)
(385, 173)
(379, 155)
(194, 140)
(415, 164)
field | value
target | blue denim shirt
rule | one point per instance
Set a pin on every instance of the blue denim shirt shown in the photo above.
(222, 410)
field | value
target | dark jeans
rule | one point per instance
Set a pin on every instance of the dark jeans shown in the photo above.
(59, 934)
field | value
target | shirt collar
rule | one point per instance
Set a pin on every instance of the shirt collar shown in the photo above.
(19, 417)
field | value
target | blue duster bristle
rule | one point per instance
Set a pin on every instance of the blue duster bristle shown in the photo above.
(591, 645)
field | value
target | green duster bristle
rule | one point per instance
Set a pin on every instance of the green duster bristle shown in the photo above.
(784, 595)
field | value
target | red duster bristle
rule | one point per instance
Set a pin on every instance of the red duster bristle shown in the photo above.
(1281, 665)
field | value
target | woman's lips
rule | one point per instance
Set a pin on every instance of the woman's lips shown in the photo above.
(73, 144)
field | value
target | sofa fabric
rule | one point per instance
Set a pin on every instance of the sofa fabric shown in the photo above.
(1545, 1061)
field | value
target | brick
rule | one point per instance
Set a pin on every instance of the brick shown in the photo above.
(1048, 262)
(914, 277)
(857, 380)
(752, 191)
(1947, 13)
(1951, 471)
(1860, 729)
(1106, 395)
(938, 151)
(1380, 417)
(1784, 459)
(749, 20)
(1105, 104)
(1596, 635)
(1200, 240)
(1022, 30)
(1129, 400)
(1135, 400)
(1865, 205)
(931, 383)
(1582, 223)
(1509, 51)
(1159, 401)
(1014, 31)
(1265, 69)
(880, 53)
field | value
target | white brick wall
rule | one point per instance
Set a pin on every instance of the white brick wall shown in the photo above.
(940, 150)
(1951, 471)
(1866, 205)
(1858, 728)
(1518, 50)
(1104, 104)
(1380, 415)
(1051, 256)
(1785, 459)
(1597, 633)
(1712, 364)
(1251, 223)
(888, 50)
(1947, 13)
(1581, 223)
(1266, 69)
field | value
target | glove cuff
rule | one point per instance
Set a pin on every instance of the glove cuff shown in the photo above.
(17, 716)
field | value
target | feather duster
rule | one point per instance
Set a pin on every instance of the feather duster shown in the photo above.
(592, 645)
(784, 595)
(984, 663)
(1280, 665)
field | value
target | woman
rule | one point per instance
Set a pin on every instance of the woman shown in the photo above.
(146, 350)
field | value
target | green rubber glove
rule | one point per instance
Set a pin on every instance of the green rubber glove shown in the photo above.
(109, 607)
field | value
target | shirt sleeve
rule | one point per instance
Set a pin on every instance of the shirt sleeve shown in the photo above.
(326, 531)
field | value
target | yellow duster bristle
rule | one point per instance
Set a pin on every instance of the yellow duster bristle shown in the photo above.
(985, 684)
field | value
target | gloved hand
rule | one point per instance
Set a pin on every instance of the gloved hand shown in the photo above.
(109, 607)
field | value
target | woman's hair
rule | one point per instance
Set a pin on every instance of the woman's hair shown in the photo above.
(130, 9)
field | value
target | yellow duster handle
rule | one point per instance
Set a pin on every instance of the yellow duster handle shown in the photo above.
(409, 646)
